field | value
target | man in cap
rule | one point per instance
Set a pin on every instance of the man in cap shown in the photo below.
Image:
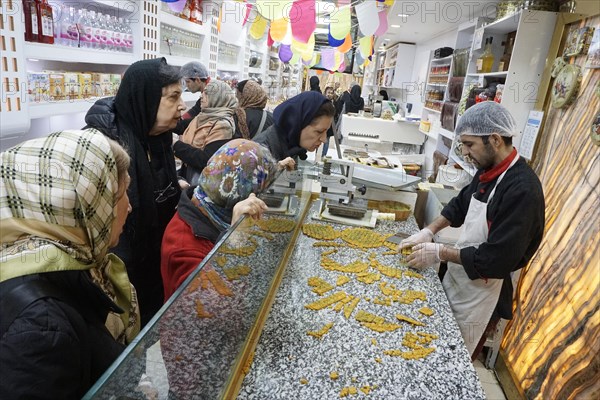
(502, 211)
(196, 78)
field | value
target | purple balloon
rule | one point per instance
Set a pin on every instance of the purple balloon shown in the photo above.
(285, 53)
(176, 5)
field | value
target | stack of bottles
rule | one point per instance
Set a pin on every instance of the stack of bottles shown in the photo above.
(191, 12)
(66, 25)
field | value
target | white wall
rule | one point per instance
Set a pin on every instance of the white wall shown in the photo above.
(415, 95)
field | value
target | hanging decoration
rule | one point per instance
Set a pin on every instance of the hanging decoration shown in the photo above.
(334, 42)
(273, 10)
(258, 27)
(285, 53)
(176, 6)
(368, 20)
(365, 46)
(383, 23)
(278, 29)
(303, 19)
(347, 45)
(229, 26)
(340, 23)
(328, 59)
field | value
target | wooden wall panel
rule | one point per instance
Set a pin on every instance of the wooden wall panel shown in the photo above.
(552, 346)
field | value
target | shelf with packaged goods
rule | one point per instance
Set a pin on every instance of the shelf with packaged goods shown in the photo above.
(50, 52)
(437, 84)
(498, 74)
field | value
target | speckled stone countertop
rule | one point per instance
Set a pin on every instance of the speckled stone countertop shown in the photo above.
(288, 363)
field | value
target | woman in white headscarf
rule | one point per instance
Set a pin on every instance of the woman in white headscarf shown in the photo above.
(68, 308)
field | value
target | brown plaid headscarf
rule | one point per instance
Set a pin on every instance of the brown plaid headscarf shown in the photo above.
(252, 96)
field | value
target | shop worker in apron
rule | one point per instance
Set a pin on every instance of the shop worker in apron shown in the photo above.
(502, 211)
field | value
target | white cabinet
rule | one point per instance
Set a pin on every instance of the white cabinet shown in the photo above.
(522, 79)
(404, 65)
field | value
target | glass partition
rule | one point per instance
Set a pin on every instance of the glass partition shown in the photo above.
(194, 345)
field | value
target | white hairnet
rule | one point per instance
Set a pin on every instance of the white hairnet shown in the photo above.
(486, 118)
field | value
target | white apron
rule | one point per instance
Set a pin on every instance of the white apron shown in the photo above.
(473, 301)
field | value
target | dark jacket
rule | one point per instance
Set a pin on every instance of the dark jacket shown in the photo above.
(153, 194)
(253, 118)
(72, 325)
(515, 218)
(278, 145)
(194, 159)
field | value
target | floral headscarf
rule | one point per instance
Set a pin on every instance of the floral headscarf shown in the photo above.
(58, 197)
(252, 96)
(240, 167)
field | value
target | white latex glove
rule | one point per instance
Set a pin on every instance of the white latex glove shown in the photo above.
(423, 236)
(424, 255)
(253, 206)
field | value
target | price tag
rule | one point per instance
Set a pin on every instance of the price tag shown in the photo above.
(534, 121)
(478, 39)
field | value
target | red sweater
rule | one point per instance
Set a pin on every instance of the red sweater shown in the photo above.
(181, 253)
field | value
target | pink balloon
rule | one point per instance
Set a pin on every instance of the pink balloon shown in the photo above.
(383, 23)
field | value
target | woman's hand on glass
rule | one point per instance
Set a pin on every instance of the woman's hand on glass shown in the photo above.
(253, 206)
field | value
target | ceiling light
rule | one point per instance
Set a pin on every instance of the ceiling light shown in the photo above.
(322, 30)
(386, 39)
(394, 26)
(403, 15)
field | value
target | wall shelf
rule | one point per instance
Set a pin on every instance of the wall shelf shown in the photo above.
(446, 133)
(53, 52)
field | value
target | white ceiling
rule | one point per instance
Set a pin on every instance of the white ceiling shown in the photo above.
(420, 21)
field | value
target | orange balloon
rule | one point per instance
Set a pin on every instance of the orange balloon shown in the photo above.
(347, 45)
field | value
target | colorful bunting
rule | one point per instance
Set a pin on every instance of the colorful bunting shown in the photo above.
(303, 19)
(328, 59)
(334, 42)
(368, 20)
(339, 25)
(365, 46)
(278, 29)
(383, 23)
(258, 27)
(274, 9)
(285, 53)
(347, 45)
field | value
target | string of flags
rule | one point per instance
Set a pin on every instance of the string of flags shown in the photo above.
(290, 26)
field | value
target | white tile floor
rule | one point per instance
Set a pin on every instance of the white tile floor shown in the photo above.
(490, 384)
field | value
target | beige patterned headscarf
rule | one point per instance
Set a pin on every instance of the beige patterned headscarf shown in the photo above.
(57, 205)
(252, 96)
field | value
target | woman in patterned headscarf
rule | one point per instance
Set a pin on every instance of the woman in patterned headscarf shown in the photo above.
(68, 308)
(226, 190)
(251, 117)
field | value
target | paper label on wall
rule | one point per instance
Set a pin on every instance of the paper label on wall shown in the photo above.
(534, 121)
(478, 39)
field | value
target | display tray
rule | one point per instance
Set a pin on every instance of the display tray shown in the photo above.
(291, 361)
(239, 326)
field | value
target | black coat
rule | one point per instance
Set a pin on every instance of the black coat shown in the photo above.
(57, 348)
(152, 170)
(515, 218)
(253, 118)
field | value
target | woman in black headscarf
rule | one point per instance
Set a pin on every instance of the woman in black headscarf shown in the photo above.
(384, 94)
(300, 125)
(141, 117)
(353, 102)
(315, 84)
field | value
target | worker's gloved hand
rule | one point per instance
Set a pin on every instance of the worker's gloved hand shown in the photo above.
(424, 255)
(423, 236)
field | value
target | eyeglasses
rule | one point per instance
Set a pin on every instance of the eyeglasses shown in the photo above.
(162, 195)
